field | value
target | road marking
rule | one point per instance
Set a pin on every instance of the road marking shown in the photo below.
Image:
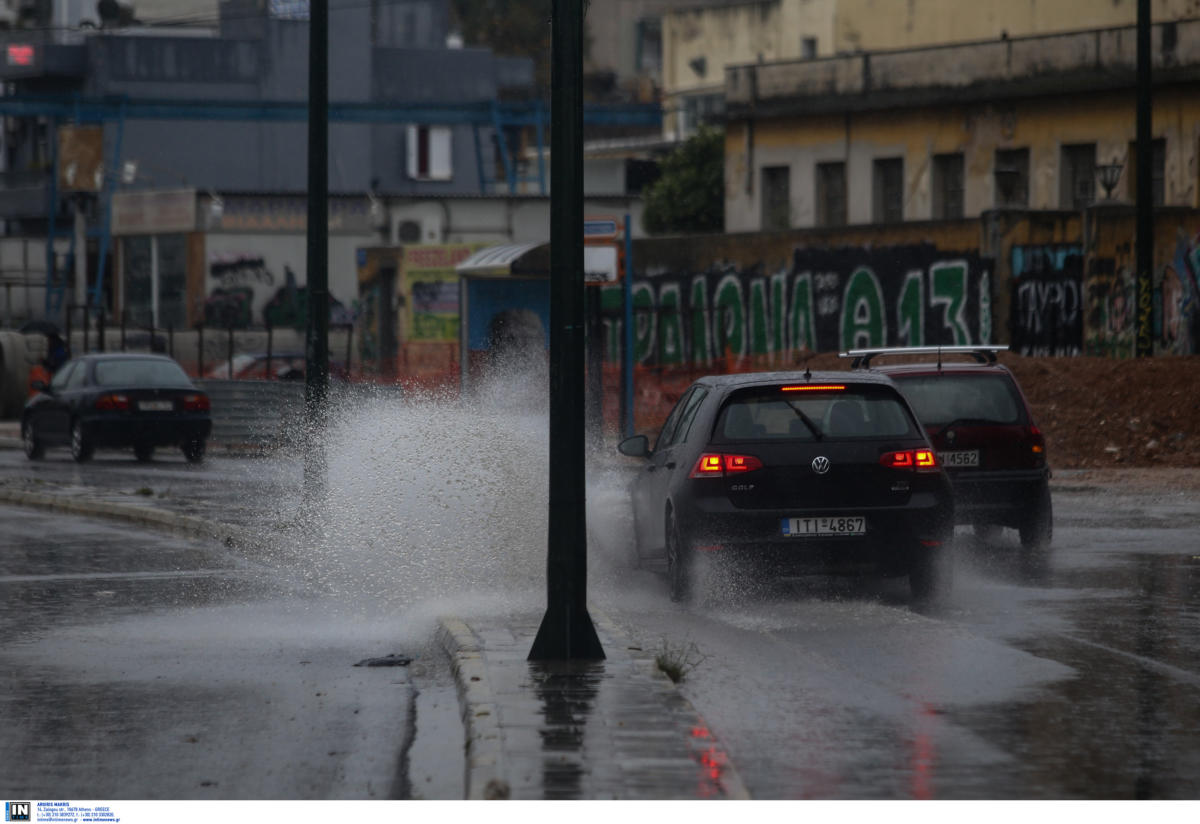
(115, 576)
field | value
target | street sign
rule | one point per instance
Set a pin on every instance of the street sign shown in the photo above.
(599, 228)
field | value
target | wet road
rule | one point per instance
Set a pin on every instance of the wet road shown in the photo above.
(1070, 676)
(136, 665)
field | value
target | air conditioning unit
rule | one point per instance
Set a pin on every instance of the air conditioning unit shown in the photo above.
(418, 226)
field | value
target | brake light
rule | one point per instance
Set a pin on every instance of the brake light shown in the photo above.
(712, 465)
(814, 387)
(196, 403)
(113, 403)
(919, 460)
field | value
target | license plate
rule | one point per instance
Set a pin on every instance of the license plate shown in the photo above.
(822, 527)
(960, 457)
(155, 406)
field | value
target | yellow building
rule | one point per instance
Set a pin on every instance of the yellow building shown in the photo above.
(953, 131)
(700, 41)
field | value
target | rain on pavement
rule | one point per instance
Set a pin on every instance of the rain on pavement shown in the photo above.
(1068, 676)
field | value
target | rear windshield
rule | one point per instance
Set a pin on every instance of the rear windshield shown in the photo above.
(129, 373)
(774, 414)
(950, 397)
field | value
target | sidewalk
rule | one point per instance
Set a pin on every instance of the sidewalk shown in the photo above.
(614, 729)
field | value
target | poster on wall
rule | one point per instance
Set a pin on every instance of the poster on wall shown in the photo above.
(430, 286)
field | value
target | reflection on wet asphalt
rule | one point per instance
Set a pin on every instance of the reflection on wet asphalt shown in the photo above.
(139, 665)
(1069, 675)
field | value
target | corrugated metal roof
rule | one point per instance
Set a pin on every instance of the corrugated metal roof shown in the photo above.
(496, 260)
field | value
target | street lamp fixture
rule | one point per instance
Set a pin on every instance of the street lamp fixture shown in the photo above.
(1110, 175)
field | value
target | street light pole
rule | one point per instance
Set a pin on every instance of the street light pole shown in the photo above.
(566, 631)
(316, 350)
(1144, 242)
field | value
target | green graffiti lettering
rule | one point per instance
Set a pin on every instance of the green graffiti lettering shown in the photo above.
(644, 322)
(612, 304)
(985, 308)
(730, 307)
(778, 312)
(948, 287)
(701, 348)
(758, 317)
(864, 323)
(670, 326)
(910, 310)
(803, 333)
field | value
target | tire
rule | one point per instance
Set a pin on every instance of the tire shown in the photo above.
(193, 450)
(1037, 527)
(679, 563)
(144, 452)
(34, 449)
(932, 573)
(82, 447)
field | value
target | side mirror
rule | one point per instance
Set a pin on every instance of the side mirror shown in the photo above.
(636, 447)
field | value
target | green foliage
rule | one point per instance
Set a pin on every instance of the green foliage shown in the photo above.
(676, 662)
(512, 28)
(689, 196)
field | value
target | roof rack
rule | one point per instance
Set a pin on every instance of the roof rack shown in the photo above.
(981, 354)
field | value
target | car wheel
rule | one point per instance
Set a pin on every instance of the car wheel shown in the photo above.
(1037, 527)
(34, 448)
(143, 451)
(194, 450)
(679, 573)
(931, 574)
(81, 445)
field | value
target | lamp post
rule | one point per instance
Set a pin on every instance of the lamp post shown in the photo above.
(1110, 175)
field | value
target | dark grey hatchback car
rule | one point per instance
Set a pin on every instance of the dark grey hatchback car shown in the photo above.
(791, 473)
(118, 401)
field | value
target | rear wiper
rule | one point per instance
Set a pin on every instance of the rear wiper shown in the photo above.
(970, 422)
(812, 427)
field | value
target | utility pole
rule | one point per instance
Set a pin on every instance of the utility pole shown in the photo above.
(1144, 242)
(316, 350)
(566, 631)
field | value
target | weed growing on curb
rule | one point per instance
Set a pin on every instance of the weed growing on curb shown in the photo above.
(676, 662)
(146, 491)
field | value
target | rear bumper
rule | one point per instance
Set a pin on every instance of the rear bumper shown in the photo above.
(893, 538)
(1000, 497)
(121, 432)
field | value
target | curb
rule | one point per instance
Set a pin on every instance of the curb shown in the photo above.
(185, 524)
(484, 737)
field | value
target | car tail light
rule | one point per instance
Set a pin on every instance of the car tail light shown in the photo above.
(714, 465)
(113, 402)
(918, 460)
(814, 387)
(196, 403)
(1037, 444)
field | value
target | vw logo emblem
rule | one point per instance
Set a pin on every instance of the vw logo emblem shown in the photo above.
(820, 465)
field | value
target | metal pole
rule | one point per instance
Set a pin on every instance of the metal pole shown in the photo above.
(627, 424)
(1144, 243)
(566, 631)
(316, 371)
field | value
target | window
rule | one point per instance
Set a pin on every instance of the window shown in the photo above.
(649, 45)
(699, 109)
(1077, 176)
(776, 198)
(1011, 171)
(948, 186)
(831, 194)
(1158, 165)
(808, 48)
(429, 156)
(888, 190)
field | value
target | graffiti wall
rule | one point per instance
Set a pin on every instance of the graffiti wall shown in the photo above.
(818, 300)
(1177, 323)
(1046, 305)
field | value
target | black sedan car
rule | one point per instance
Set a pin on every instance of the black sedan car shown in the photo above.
(117, 401)
(790, 473)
